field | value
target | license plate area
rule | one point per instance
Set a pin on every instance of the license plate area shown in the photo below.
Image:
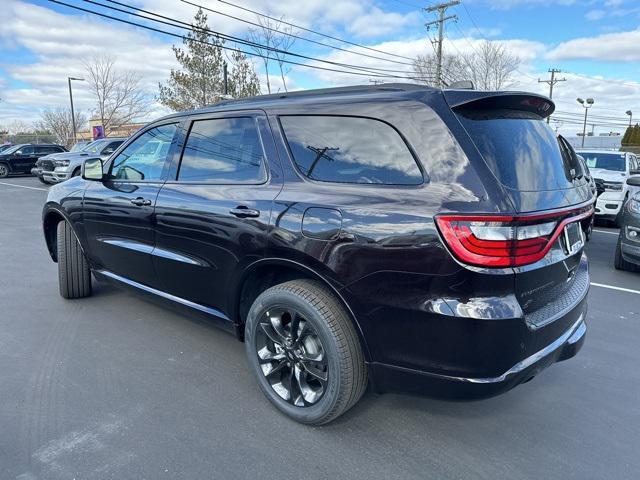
(573, 238)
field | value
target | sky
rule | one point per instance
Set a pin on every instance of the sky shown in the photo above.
(596, 44)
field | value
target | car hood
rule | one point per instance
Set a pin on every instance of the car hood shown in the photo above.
(608, 175)
(54, 156)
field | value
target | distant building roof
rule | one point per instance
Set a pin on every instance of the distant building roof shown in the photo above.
(604, 142)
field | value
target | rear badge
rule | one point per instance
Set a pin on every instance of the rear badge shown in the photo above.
(573, 238)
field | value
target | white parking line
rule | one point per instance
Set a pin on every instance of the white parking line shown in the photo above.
(23, 186)
(620, 289)
(606, 231)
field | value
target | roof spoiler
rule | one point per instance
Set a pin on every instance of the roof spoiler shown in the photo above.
(524, 101)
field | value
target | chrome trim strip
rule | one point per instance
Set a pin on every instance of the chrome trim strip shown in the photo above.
(129, 244)
(178, 257)
(168, 296)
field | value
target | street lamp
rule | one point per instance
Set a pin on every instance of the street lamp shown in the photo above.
(588, 103)
(630, 113)
(73, 117)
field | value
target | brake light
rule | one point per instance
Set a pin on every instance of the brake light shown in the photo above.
(505, 240)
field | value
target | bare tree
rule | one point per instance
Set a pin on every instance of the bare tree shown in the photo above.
(272, 40)
(58, 122)
(425, 68)
(489, 66)
(264, 40)
(118, 94)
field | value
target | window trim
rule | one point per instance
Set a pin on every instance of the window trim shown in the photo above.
(167, 163)
(188, 125)
(416, 159)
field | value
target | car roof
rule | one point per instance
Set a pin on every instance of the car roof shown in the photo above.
(455, 97)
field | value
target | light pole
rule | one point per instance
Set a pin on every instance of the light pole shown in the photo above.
(630, 113)
(73, 116)
(588, 103)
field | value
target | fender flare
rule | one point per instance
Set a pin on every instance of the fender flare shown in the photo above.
(311, 272)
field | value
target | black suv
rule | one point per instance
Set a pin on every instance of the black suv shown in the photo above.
(404, 237)
(22, 158)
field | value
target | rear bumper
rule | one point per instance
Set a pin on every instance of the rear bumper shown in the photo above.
(394, 378)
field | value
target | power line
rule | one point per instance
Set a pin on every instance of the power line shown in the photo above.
(289, 34)
(251, 54)
(311, 31)
(371, 71)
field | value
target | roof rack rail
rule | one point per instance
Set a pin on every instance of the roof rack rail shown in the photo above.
(328, 91)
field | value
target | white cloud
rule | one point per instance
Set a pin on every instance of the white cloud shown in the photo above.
(609, 47)
(594, 15)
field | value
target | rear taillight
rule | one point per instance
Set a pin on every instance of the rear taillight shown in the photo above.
(505, 240)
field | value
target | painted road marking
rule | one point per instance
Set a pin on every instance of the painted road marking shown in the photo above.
(606, 231)
(620, 289)
(23, 186)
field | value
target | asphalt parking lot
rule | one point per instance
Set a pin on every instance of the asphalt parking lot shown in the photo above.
(115, 386)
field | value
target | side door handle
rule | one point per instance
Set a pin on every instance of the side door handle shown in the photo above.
(141, 202)
(242, 211)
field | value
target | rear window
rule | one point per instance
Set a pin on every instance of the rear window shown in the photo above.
(519, 148)
(350, 150)
(605, 161)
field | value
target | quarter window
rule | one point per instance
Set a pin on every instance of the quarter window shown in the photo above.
(350, 150)
(144, 158)
(223, 150)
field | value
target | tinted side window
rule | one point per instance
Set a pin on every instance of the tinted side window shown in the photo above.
(350, 150)
(27, 150)
(144, 158)
(111, 147)
(223, 150)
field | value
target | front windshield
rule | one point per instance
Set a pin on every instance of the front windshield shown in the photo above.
(94, 147)
(11, 149)
(79, 147)
(605, 161)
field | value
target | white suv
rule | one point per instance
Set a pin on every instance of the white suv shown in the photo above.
(613, 168)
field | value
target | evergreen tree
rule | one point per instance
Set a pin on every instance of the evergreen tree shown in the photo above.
(634, 137)
(627, 135)
(200, 82)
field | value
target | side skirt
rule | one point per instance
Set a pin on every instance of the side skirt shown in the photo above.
(208, 313)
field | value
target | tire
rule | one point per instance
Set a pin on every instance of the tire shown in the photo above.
(43, 180)
(76, 173)
(321, 320)
(619, 262)
(74, 274)
(4, 170)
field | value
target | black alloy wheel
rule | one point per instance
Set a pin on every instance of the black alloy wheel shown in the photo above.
(304, 351)
(291, 356)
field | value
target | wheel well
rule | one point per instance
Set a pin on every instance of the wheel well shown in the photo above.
(50, 227)
(266, 276)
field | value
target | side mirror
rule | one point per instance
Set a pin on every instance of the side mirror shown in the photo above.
(634, 172)
(633, 181)
(19, 153)
(92, 170)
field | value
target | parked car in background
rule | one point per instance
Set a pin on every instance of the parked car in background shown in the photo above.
(37, 169)
(628, 247)
(613, 168)
(392, 233)
(22, 158)
(63, 167)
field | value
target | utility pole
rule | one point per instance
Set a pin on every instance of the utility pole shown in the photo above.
(551, 82)
(226, 83)
(73, 116)
(441, 8)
